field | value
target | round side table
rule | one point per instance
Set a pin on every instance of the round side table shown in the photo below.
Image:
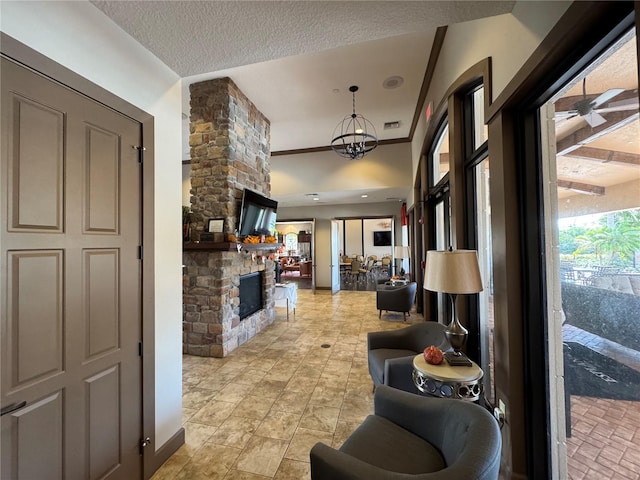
(464, 383)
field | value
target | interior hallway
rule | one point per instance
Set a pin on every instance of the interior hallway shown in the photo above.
(257, 413)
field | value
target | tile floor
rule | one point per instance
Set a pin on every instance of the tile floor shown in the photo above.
(257, 413)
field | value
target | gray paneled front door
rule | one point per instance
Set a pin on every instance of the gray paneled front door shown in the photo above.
(70, 284)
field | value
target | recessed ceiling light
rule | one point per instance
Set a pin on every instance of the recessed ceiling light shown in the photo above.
(364, 196)
(316, 199)
(393, 82)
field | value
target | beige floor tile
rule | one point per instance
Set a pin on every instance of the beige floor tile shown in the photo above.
(233, 392)
(292, 402)
(240, 475)
(303, 440)
(301, 384)
(318, 417)
(196, 398)
(279, 424)
(262, 456)
(211, 462)
(187, 413)
(253, 406)
(293, 470)
(196, 435)
(235, 431)
(327, 397)
(171, 467)
(213, 413)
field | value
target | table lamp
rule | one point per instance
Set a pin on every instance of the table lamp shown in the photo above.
(453, 272)
(401, 252)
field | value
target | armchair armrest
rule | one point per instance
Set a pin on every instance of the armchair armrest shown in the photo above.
(330, 464)
(397, 374)
(398, 339)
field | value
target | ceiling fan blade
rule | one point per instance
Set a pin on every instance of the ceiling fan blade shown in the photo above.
(606, 96)
(630, 107)
(594, 119)
(567, 114)
(627, 102)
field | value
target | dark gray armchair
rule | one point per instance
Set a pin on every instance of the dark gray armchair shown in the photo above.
(396, 298)
(390, 352)
(421, 438)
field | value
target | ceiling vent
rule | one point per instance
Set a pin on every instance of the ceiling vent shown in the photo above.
(389, 125)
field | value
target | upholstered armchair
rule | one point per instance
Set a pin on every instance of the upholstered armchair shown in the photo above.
(414, 437)
(391, 352)
(396, 298)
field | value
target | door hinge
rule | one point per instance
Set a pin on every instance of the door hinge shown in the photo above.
(140, 150)
(144, 443)
(140, 252)
(140, 348)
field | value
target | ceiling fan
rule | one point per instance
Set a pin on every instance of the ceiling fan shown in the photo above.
(587, 108)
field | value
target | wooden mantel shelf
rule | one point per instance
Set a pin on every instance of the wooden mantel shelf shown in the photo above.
(229, 246)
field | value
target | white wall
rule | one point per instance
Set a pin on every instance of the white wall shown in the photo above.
(508, 39)
(388, 166)
(78, 36)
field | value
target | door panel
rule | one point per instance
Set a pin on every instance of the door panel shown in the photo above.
(39, 427)
(102, 183)
(35, 328)
(102, 299)
(71, 309)
(35, 187)
(103, 433)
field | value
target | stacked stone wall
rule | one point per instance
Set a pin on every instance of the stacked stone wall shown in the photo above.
(229, 144)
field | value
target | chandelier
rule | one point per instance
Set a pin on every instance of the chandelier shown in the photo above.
(354, 136)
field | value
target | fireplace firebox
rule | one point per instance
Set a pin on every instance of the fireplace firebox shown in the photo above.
(250, 294)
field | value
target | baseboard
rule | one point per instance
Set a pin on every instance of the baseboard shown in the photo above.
(170, 447)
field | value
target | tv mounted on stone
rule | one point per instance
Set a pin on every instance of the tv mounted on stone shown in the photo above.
(257, 214)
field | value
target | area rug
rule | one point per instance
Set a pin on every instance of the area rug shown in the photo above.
(590, 374)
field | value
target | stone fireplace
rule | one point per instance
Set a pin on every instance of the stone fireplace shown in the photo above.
(229, 140)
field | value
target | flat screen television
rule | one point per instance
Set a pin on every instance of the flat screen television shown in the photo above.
(257, 214)
(382, 238)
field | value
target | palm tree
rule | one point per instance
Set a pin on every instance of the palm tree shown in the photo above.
(619, 236)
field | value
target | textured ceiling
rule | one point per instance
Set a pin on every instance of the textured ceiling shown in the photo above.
(295, 60)
(194, 37)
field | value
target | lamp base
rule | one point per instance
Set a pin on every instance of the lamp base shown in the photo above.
(457, 360)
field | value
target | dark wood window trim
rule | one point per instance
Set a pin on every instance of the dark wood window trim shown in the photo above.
(450, 109)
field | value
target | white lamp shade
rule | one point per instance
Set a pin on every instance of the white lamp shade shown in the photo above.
(454, 271)
(401, 252)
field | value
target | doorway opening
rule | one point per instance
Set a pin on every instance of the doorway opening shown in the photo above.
(592, 228)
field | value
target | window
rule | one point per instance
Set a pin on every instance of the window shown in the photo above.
(439, 159)
(478, 232)
(291, 242)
